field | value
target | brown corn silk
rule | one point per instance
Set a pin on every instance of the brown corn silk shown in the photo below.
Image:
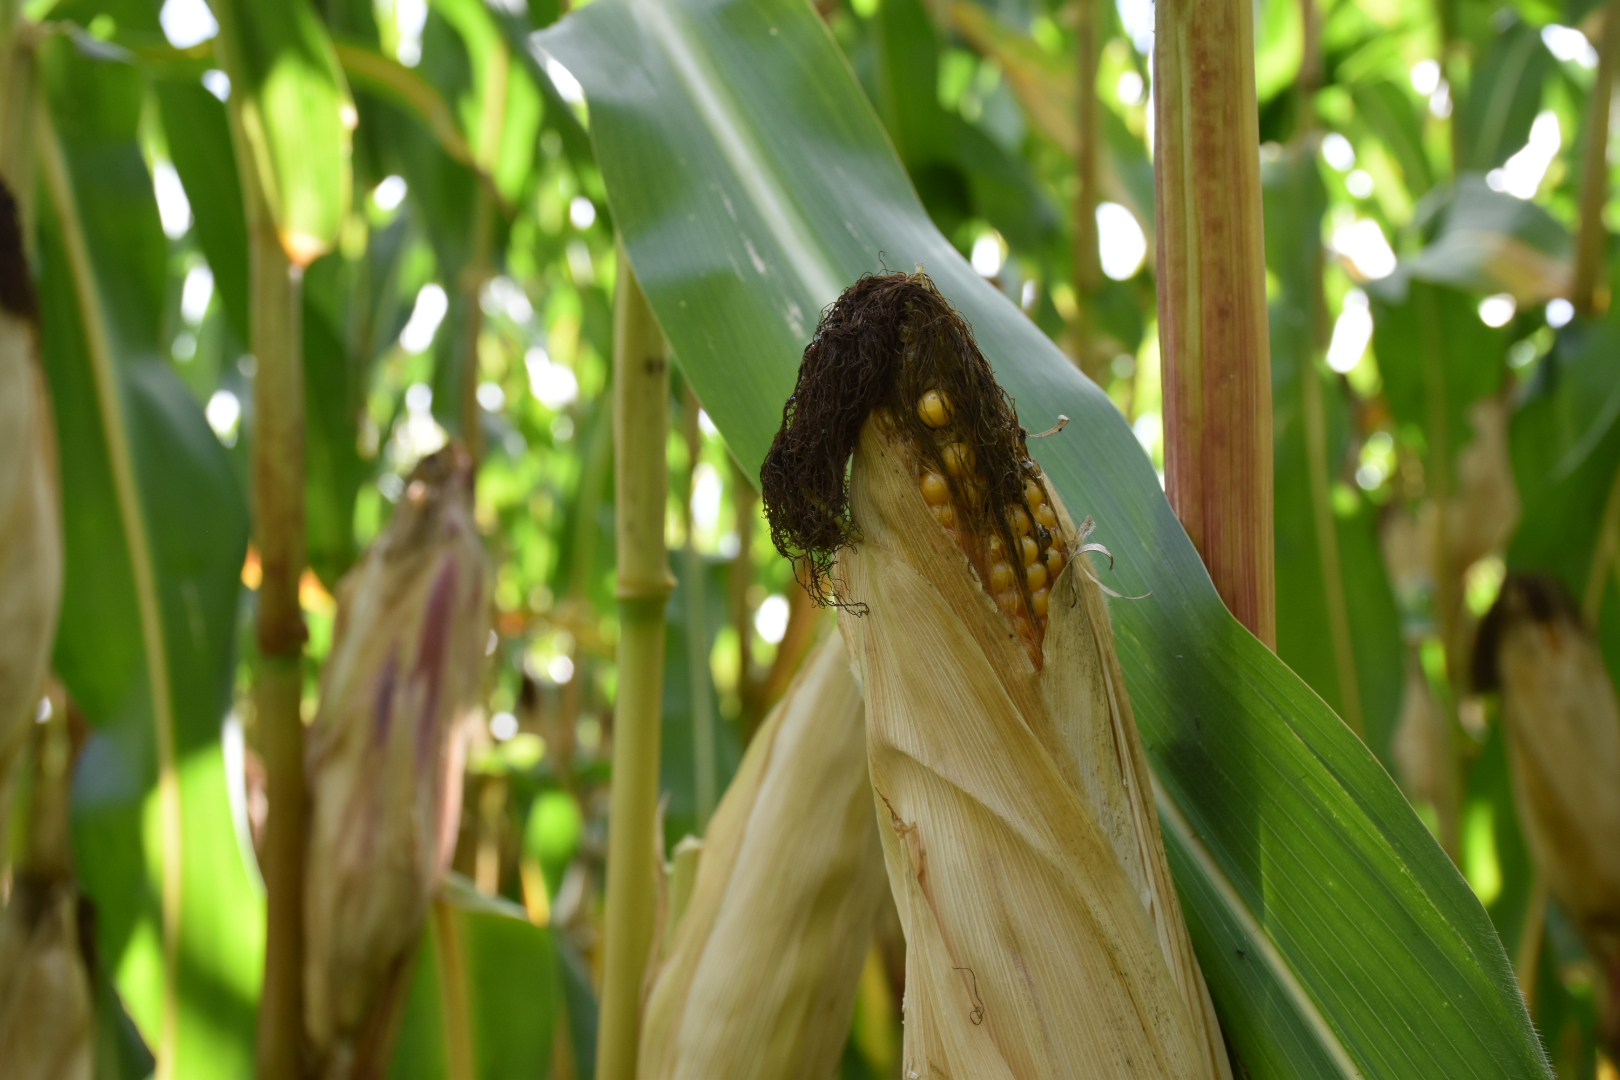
(30, 518)
(762, 969)
(1563, 725)
(1044, 936)
(385, 759)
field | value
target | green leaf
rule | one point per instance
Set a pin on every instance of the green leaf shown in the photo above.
(155, 529)
(296, 116)
(1436, 358)
(1337, 624)
(1504, 95)
(1488, 241)
(752, 183)
(487, 984)
(1397, 121)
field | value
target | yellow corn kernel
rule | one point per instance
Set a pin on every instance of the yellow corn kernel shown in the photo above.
(1044, 515)
(934, 409)
(1038, 600)
(1037, 577)
(945, 515)
(996, 548)
(960, 460)
(1008, 602)
(1018, 517)
(1055, 560)
(1001, 577)
(1032, 553)
(1033, 496)
(935, 489)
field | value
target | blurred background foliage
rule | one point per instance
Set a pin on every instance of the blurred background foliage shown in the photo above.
(1442, 415)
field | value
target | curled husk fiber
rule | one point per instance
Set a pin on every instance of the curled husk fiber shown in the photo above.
(761, 974)
(1563, 727)
(30, 514)
(385, 757)
(1043, 934)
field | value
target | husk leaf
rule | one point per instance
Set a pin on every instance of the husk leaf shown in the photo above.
(1044, 937)
(385, 755)
(761, 974)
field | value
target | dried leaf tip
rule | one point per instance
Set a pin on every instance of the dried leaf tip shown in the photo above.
(893, 347)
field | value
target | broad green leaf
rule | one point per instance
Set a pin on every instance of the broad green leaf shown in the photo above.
(1488, 241)
(1504, 95)
(155, 529)
(1397, 121)
(686, 661)
(752, 183)
(1337, 624)
(1436, 358)
(484, 994)
(960, 171)
(296, 116)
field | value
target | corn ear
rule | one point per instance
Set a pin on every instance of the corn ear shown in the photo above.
(30, 515)
(761, 972)
(1563, 727)
(46, 1011)
(385, 757)
(1044, 937)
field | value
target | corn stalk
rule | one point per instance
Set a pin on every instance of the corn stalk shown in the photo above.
(1213, 331)
(640, 431)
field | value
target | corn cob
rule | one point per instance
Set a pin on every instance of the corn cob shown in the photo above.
(30, 518)
(385, 759)
(1044, 937)
(1563, 728)
(761, 973)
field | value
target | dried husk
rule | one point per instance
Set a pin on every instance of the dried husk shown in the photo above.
(47, 1018)
(1563, 727)
(30, 515)
(385, 759)
(1422, 747)
(760, 977)
(1044, 936)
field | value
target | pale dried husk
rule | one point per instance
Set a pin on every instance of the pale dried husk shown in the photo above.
(385, 755)
(1044, 936)
(46, 1016)
(760, 977)
(1422, 747)
(30, 539)
(1563, 727)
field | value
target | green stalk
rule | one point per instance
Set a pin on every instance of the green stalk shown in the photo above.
(1087, 264)
(1592, 239)
(704, 767)
(59, 184)
(1213, 330)
(480, 269)
(641, 481)
(278, 516)
(1447, 578)
(1327, 548)
(457, 1010)
(276, 340)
